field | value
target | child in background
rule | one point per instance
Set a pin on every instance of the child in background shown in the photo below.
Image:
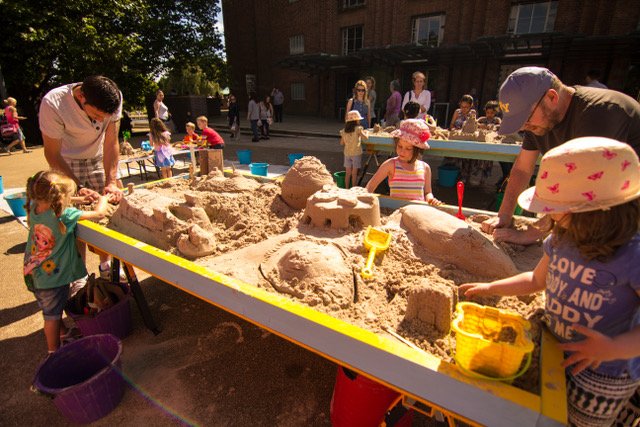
(411, 110)
(463, 113)
(52, 260)
(214, 140)
(11, 119)
(409, 178)
(191, 135)
(490, 120)
(472, 171)
(351, 137)
(160, 138)
(590, 272)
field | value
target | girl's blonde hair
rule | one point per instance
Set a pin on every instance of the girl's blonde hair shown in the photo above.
(156, 130)
(10, 101)
(598, 234)
(52, 187)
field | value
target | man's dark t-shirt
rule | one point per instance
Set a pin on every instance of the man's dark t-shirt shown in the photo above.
(593, 112)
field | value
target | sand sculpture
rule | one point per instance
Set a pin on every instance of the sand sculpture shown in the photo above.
(449, 238)
(430, 306)
(337, 207)
(305, 177)
(126, 149)
(299, 268)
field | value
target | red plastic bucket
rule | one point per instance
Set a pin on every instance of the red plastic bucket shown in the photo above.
(84, 378)
(359, 401)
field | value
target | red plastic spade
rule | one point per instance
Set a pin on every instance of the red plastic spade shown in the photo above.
(460, 196)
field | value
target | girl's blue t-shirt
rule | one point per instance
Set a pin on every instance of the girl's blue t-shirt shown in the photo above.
(51, 258)
(602, 296)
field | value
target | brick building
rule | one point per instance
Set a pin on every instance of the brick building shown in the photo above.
(315, 50)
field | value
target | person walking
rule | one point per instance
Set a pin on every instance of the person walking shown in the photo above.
(161, 111)
(253, 115)
(278, 100)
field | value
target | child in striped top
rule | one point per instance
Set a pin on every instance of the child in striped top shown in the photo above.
(409, 178)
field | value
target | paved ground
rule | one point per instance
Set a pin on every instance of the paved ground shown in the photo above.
(206, 367)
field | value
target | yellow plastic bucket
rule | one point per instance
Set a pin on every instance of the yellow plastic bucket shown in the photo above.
(491, 343)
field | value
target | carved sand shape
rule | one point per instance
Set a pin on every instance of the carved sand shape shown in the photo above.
(456, 242)
(305, 177)
(337, 207)
(313, 270)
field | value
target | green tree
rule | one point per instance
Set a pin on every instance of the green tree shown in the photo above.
(49, 43)
(189, 80)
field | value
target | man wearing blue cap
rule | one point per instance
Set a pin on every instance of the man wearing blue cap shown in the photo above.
(534, 100)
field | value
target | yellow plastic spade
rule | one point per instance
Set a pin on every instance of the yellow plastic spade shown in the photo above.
(374, 240)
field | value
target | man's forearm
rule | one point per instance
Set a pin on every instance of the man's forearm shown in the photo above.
(111, 154)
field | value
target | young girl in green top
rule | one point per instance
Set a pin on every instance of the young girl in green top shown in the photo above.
(52, 260)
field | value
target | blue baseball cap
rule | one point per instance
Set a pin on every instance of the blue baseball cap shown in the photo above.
(519, 93)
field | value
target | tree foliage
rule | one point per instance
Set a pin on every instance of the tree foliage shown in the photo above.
(49, 43)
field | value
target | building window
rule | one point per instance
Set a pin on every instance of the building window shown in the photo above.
(351, 39)
(346, 4)
(296, 44)
(297, 91)
(533, 17)
(428, 30)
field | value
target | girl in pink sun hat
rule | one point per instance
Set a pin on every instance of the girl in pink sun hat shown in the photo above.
(590, 273)
(409, 177)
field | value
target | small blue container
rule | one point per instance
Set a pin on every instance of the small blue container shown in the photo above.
(293, 157)
(447, 175)
(145, 145)
(1, 185)
(259, 168)
(244, 156)
(16, 202)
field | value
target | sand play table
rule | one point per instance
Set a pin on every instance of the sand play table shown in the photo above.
(419, 376)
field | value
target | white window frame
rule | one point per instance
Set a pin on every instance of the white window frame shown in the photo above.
(349, 40)
(521, 24)
(296, 44)
(297, 92)
(432, 22)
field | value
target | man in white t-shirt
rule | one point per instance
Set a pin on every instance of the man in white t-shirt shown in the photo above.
(79, 124)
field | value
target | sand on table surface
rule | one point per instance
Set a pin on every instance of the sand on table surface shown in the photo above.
(319, 266)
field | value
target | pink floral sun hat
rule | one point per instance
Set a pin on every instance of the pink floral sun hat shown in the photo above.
(584, 174)
(414, 131)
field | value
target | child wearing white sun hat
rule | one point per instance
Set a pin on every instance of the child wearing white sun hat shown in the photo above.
(590, 273)
(351, 137)
(409, 178)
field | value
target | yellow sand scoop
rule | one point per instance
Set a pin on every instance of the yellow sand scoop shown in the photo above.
(374, 240)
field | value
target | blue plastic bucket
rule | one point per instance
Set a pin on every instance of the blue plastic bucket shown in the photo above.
(84, 378)
(293, 157)
(1, 185)
(447, 175)
(259, 168)
(16, 202)
(244, 156)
